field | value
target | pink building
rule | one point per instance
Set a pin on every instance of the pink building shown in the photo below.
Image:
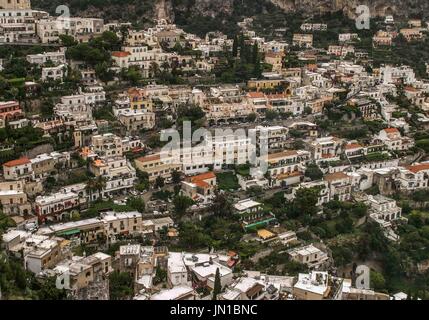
(10, 110)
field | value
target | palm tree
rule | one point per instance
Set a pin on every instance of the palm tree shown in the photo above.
(91, 187)
(124, 33)
(95, 184)
(165, 66)
(101, 184)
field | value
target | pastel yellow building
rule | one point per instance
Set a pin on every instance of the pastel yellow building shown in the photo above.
(139, 101)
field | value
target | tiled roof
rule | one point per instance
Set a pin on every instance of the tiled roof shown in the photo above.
(418, 167)
(120, 54)
(149, 158)
(353, 146)
(17, 162)
(203, 176)
(391, 130)
(282, 154)
(335, 176)
(255, 95)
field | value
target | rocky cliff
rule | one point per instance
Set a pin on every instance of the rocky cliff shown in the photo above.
(208, 13)
(377, 7)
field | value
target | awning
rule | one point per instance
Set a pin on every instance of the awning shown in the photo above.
(259, 223)
(68, 232)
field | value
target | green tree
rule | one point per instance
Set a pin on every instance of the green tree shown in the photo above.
(191, 113)
(103, 71)
(359, 210)
(271, 115)
(217, 285)
(377, 281)
(160, 275)
(159, 182)
(136, 203)
(255, 191)
(5, 222)
(121, 286)
(255, 53)
(235, 47)
(176, 177)
(133, 75)
(95, 184)
(313, 172)
(67, 41)
(181, 204)
(49, 291)
(251, 117)
(304, 203)
(221, 205)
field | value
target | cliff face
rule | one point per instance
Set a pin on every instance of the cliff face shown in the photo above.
(377, 7)
(139, 11)
(225, 11)
(309, 7)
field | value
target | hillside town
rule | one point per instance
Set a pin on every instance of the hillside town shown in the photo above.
(156, 164)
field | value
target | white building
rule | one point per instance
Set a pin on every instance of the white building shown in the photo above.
(318, 285)
(18, 169)
(396, 75)
(177, 273)
(73, 108)
(54, 73)
(58, 57)
(392, 138)
(56, 205)
(384, 210)
(309, 255)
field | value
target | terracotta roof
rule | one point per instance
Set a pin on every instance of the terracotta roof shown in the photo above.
(327, 155)
(85, 151)
(17, 162)
(391, 130)
(149, 158)
(201, 184)
(286, 153)
(255, 95)
(353, 146)
(120, 54)
(199, 180)
(411, 89)
(203, 176)
(231, 253)
(231, 263)
(286, 175)
(135, 91)
(418, 167)
(335, 176)
(276, 96)
(99, 163)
